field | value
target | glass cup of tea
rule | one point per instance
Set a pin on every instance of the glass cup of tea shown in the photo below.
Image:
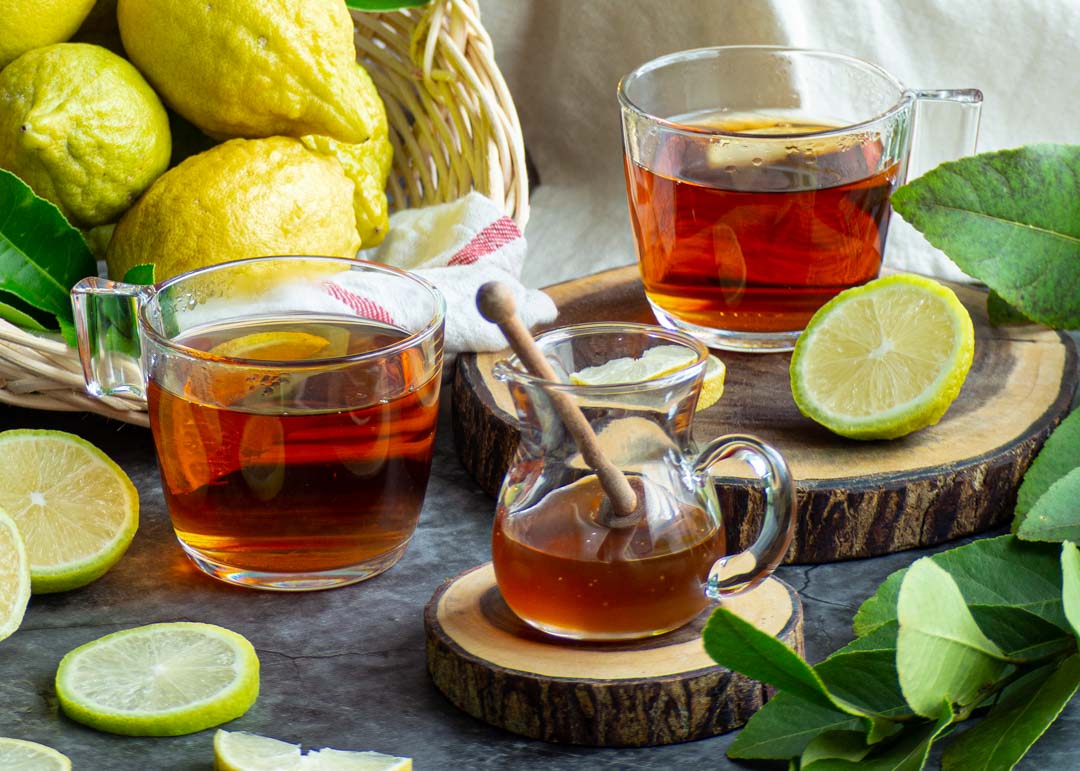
(292, 401)
(565, 562)
(759, 180)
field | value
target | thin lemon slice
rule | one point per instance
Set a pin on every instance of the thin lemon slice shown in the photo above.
(14, 578)
(20, 755)
(77, 511)
(242, 751)
(159, 680)
(341, 760)
(885, 359)
(656, 362)
(272, 346)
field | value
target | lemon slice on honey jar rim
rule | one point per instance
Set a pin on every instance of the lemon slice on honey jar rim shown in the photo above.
(655, 363)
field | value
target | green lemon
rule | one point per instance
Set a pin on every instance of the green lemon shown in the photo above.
(29, 24)
(76, 509)
(242, 198)
(14, 577)
(159, 680)
(885, 359)
(83, 129)
(248, 68)
(31, 756)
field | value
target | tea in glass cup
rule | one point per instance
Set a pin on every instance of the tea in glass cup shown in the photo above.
(294, 443)
(759, 179)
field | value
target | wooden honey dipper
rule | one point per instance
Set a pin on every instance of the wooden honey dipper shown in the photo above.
(495, 302)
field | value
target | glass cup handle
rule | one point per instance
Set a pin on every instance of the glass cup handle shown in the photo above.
(946, 127)
(737, 573)
(106, 325)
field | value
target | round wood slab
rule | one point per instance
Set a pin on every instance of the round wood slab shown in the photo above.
(659, 690)
(856, 499)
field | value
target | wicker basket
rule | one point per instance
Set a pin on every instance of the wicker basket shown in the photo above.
(453, 127)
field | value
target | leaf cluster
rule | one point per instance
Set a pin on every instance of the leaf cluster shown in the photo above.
(986, 632)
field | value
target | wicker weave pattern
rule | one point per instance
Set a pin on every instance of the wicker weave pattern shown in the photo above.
(453, 127)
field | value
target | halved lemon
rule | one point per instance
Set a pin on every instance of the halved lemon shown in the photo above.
(76, 510)
(884, 359)
(14, 577)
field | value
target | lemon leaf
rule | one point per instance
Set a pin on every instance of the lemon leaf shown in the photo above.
(1054, 516)
(41, 254)
(139, 274)
(1010, 219)
(1058, 456)
(380, 6)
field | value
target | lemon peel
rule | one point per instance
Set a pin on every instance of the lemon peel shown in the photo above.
(29, 24)
(81, 126)
(246, 68)
(885, 359)
(242, 198)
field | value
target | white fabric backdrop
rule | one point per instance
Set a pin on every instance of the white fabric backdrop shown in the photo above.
(563, 58)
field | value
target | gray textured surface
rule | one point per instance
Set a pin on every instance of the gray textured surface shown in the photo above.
(345, 668)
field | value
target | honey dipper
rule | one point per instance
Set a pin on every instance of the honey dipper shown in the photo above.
(495, 302)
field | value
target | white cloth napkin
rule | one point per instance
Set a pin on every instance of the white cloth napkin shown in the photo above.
(458, 247)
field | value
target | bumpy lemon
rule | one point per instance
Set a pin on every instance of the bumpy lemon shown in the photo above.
(243, 198)
(251, 68)
(29, 24)
(83, 129)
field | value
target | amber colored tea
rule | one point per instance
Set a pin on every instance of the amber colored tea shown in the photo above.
(568, 575)
(271, 474)
(729, 239)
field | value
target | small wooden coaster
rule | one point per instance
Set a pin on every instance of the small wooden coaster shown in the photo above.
(660, 690)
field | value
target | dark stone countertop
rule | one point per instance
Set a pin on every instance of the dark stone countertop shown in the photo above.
(346, 668)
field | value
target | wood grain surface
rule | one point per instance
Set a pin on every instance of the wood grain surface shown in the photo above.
(856, 499)
(659, 690)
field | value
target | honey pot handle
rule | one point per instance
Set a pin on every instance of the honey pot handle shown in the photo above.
(737, 573)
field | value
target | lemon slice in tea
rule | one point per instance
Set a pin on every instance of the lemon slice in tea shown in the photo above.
(76, 509)
(31, 756)
(272, 346)
(656, 362)
(885, 359)
(159, 680)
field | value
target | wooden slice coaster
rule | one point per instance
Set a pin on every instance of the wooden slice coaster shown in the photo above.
(856, 499)
(660, 690)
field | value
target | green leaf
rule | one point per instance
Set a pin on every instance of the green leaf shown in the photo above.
(882, 637)
(1023, 636)
(1059, 455)
(842, 745)
(18, 317)
(1005, 735)
(908, 752)
(1010, 219)
(140, 274)
(740, 646)
(41, 254)
(379, 6)
(785, 726)
(1001, 313)
(990, 571)
(866, 680)
(941, 654)
(1070, 584)
(1056, 515)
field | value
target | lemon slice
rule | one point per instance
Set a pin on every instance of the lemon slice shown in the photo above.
(77, 511)
(885, 359)
(159, 680)
(655, 363)
(241, 751)
(14, 578)
(272, 346)
(20, 755)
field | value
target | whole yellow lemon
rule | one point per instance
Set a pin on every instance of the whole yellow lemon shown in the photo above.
(248, 68)
(242, 198)
(81, 127)
(28, 24)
